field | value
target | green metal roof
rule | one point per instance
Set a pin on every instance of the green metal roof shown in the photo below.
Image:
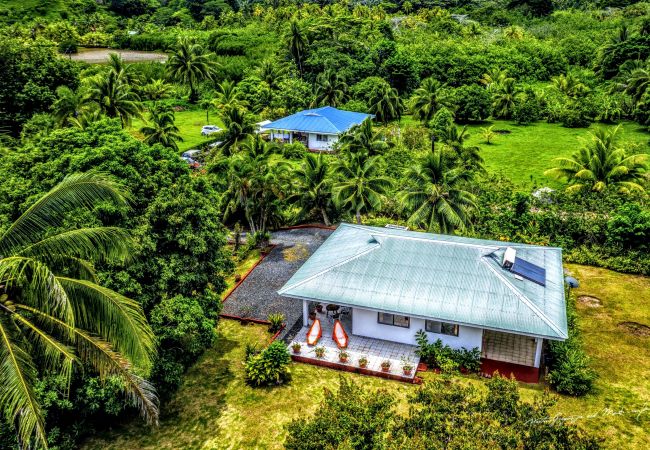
(450, 278)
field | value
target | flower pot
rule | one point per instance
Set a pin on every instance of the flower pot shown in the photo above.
(296, 350)
(343, 360)
(407, 372)
(363, 365)
(385, 368)
(312, 316)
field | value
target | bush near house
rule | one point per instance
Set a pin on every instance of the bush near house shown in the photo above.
(269, 367)
(570, 372)
(442, 356)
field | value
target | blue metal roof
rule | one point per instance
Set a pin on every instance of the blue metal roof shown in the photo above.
(449, 278)
(325, 120)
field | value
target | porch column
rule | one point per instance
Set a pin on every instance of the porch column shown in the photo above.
(305, 313)
(538, 351)
(290, 137)
(271, 134)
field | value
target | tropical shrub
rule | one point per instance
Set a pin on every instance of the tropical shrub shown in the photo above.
(526, 111)
(277, 320)
(444, 357)
(270, 367)
(629, 227)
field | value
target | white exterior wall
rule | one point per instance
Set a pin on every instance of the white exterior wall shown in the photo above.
(364, 323)
(314, 144)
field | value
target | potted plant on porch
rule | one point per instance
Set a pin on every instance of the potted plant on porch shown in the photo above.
(343, 356)
(312, 315)
(296, 347)
(320, 351)
(407, 366)
(385, 365)
(363, 362)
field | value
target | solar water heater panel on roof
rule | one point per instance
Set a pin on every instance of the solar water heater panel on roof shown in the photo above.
(529, 271)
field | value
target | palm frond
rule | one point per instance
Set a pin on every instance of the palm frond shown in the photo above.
(17, 378)
(75, 191)
(94, 244)
(114, 317)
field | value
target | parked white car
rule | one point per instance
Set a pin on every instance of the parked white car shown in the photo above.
(209, 129)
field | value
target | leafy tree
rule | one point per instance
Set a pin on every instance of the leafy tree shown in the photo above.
(629, 227)
(162, 129)
(570, 85)
(227, 96)
(386, 104)
(331, 89)
(190, 64)
(638, 82)
(31, 72)
(428, 99)
(312, 187)
(360, 188)
(272, 73)
(51, 304)
(601, 164)
(472, 103)
(436, 195)
(156, 90)
(352, 417)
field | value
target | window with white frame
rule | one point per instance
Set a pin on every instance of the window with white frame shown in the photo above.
(321, 138)
(433, 326)
(394, 320)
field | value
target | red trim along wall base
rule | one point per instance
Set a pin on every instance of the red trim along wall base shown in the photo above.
(525, 374)
(353, 369)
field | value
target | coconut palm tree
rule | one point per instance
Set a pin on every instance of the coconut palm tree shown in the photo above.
(601, 164)
(360, 188)
(156, 90)
(297, 43)
(162, 129)
(428, 99)
(493, 78)
(570, 85)
(435, 195)
(239, 126)
(331, 89)
(386, 104)
(469, 156)
(312, 187)
(362, 138)
(227, 96)
(505, 97)
(113, 96)
(54, 314)
(638, 83)
(68, 105)
(272, 73)
(190, 64)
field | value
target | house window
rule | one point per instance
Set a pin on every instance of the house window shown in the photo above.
(321, 138)
(394, 320)
(434, 326)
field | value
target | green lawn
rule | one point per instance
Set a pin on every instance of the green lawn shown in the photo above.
(214, 408)
(189, 123)
(526, 152)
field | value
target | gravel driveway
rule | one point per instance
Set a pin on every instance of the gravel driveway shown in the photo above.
(258, 293)
(100, 55)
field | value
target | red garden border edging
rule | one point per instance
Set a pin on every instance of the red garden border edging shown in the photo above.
(353, 369)
(257, 263)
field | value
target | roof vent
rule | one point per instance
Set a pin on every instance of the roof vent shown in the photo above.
(509, 258)
(396, 227)
(312, 114)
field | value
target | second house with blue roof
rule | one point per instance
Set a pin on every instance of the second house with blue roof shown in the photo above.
(318, 129)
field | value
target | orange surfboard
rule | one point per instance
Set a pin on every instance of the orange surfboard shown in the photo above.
(339, 335)
(314, 333)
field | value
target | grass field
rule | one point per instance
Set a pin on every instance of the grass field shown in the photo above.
(189, 123)
(214, 408)
(525, 152)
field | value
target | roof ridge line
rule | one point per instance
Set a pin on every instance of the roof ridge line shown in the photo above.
(525, 300)
(327, 269)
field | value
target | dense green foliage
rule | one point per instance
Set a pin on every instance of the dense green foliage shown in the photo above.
(421, 68)
(442, 414)
(270, 366)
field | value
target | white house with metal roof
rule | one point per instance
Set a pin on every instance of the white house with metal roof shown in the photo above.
(503, 298)
(318, 129)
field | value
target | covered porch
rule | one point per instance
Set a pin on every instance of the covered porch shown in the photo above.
(511, 354)
(376, 351)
